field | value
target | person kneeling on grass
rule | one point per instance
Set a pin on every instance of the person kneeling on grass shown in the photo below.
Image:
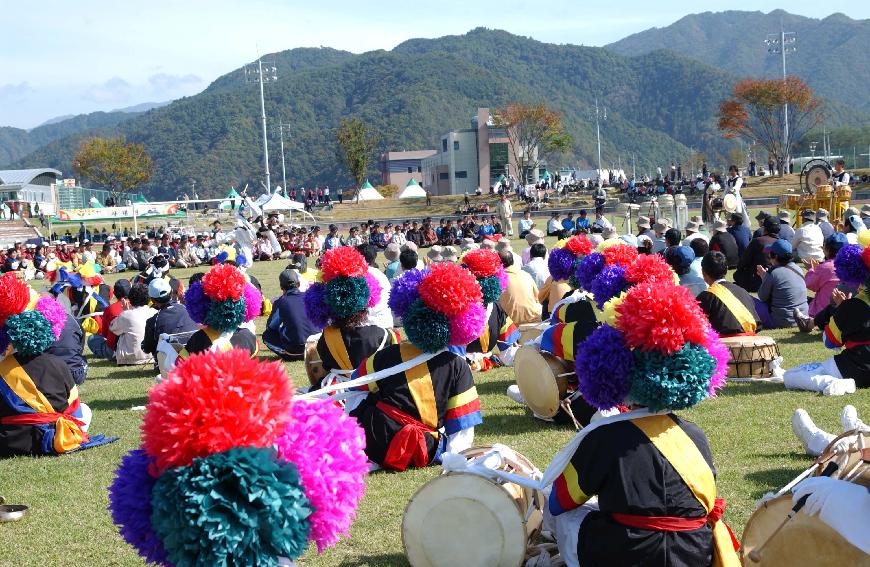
(848, 328)
(40, 410)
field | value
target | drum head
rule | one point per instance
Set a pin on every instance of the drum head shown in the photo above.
(529, 332)
(313, 365)
(729, 203)
(463, 519)
(803, 540)
(537, 381)
(817, 176)
(848, 462)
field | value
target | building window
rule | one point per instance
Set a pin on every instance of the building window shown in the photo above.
(461, 175)
(419, 169)
(455, 145)
(444, 145)
(443, 176)
(410, 170)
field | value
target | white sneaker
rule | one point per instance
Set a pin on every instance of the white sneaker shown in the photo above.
(839, 387)
(849, 419)
(513, 392)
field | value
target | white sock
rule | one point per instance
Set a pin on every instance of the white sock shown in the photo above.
(813, 439)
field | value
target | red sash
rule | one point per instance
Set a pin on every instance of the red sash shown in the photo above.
(44, 418)
(673, 524)
(854, 344)
(409, 444)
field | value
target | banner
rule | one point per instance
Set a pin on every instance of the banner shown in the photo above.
(111, 213)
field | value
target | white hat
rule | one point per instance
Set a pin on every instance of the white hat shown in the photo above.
(692, 226)
(720, 226)
(159, 288)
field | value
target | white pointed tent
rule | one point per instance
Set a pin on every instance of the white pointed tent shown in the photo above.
(368, 193)
(412, 189)
(277, 202)
(227, 205)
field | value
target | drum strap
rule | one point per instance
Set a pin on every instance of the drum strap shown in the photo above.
(735, 306)
(337, 348)
(684, 456)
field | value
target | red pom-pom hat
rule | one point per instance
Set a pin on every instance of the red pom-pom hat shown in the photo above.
(343, 261)
(449, 289)
(223, 282)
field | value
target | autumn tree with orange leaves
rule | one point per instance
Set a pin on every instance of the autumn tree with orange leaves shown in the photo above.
(755, 111)
(534, 131)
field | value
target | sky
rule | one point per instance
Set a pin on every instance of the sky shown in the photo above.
(60, 57)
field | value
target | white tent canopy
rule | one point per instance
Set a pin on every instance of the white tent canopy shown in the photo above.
(412, 189)
(368, 193)
(276, 202)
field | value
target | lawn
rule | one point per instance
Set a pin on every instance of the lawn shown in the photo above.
(748, 427)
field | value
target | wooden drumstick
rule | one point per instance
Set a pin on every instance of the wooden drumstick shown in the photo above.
(861, 447)
(755, 554)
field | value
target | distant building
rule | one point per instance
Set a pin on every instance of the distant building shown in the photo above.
(470, 158)
(26, 189)
(399, 167)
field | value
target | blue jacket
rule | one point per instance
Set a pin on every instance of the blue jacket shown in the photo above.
(172, 319)
(742, 235)
(288, 326)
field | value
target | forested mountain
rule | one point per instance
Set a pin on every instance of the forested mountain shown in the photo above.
(658, 106)
(831, 53)
(16, 142)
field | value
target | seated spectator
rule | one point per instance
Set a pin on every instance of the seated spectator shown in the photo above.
(107, 260)
(537, 264)
(724, 242)
(520, 298)
(693, 231)
(391, 257)
(672, 238)
(808, 239)
(526, 224)
(582, 223)
(747, 274)
(700, 247)
(288, 328)
(782, 289)
(171, 317)
(741, 233)
(532, 237)
(103, 344)
(185, 255)
(822, 279)
(729, 308)
(786, 232)
(129, 326)
(408, 260)
(554, 227)
(69, 347)
(379, 314)
(852, 226)
(680, 258)
(824, 223)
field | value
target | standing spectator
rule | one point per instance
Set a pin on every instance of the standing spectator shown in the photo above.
(520, 298)
(288, 328)
(724, 242)
(808, 239)
(505, 213)
(129, 326)
(782, 289)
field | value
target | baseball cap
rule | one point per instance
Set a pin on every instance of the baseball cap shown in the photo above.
(680, 255)
(856, 222)
(836, 241)
(779, 248)
(288, 279)
(159, 289)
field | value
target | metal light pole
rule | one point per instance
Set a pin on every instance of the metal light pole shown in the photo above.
(780, 44)
(258, 75)
(281, 128)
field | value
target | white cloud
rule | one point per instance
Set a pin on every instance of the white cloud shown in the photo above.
(168, 83)
(115, 90)
(15, 93)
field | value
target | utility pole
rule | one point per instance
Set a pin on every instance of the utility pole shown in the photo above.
(781, 44)
(281, 128)
(261, 74)
(598, 132)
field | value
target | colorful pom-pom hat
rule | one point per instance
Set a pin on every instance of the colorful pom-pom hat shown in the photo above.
(346, 289)
(223, 299)
(233, 471)
(486, 266)
(440, 306)
(29, 324)
(852, 262)
(566, 256)
(657, 350)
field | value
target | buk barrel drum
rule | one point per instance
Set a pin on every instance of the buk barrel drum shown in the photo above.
(529, 332)
(313, 365)
(844, 193)
(750, 357)
(791, 201)
(460, 518)
(824, 192)
(717, 204)
(804, 540)
(729, 203)
(805, 536)
(542, 379)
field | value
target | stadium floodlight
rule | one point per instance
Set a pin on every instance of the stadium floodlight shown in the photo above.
(263, 73)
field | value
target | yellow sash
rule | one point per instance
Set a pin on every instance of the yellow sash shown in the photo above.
(67, 435)
(484, 339)
(682, 453)
(735, 306)
(337, 348)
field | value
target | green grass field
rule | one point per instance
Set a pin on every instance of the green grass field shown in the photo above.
(748, 427)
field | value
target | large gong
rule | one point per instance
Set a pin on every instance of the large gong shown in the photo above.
(815, 173)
